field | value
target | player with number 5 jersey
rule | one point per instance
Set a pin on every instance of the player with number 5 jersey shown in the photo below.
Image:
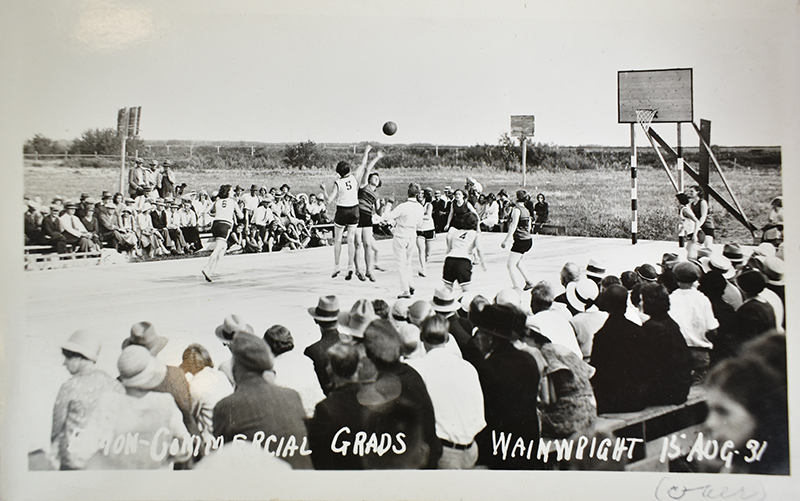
(345, 193)
(224, 209)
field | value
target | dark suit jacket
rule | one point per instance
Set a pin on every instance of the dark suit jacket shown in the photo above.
(318, 353)
(619, 383)
(666, 361)
(159, 220)
(256, 405)
(339, 409)
(753, 318)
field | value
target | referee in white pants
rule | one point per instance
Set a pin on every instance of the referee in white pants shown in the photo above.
(407, 217)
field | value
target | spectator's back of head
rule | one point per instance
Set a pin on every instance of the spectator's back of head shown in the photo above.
(629, 279)
(343, 359)
(419, 311)
(509, 297)
(382, 342)
(435, 330)
(196, 358)
(279, 339)
(614, 300)
(608, 281)
(541, 297)
(655, 299)
(570, 272)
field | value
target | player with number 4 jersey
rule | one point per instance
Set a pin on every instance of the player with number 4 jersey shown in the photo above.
(460, 246)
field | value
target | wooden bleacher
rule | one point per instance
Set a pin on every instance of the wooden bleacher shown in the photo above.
(652, 424)
(37, 257)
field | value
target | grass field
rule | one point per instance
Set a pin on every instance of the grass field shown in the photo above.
(589, 202)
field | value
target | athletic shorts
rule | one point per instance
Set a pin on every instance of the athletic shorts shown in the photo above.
(220, 229)
(522, 246)
(428, 234)
(346, 216)
(364, 219)
(708, 231)
(457, 269)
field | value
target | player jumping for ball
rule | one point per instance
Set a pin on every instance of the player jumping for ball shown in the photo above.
(223, 211)
(367, 205)
(460, 246)
(345, 192)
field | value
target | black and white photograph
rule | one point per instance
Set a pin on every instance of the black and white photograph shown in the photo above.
(308, 250)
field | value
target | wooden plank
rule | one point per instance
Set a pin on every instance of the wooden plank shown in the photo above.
(667, 90)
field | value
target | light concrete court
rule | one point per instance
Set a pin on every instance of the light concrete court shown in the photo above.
(265, 289)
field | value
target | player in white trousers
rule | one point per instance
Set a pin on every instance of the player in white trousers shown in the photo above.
(407, 217)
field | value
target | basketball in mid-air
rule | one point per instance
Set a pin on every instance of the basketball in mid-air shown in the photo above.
(389, 128)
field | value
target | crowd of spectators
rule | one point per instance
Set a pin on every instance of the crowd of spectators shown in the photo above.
(432, 383)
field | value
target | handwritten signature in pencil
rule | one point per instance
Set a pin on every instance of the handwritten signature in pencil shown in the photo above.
(668, 489)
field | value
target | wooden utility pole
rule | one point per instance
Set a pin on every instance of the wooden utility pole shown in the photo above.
(705, 159)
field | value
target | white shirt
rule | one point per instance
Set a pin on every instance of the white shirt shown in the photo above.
(586, 325)
(777, 305)
(408, 216)
(72, 225)
(456, 394)
(461, 242)
(558, 330)
(693, 313)
(296, 371)
(262, 216)
(224, 209)
(492, 214)
(250, 201)
(207, 387)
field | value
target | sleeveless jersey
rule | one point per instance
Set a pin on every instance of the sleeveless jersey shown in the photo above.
(458, 215)
(348, 191)
(366, 201)
(523, 231)
(696, 209)
(461, 243)
(224, 208)
(427, 219)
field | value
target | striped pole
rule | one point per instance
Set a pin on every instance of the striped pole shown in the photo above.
(634, 210)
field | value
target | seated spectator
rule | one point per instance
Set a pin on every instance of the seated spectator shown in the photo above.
(127, 228)
(207, 386)
(713, 285)
(51, 230)
(667, 277)
(316, 210)
(73, 230)
(253, 242)
(541, 210)
(151, 242)
(552, 321)
(773, 230)
(78, 400)
(595, 270)
(490, 220)
(569, 273)
(617, 357)
(188, 224)
(174, 228)
(566, 399)
(33, 224)
(581, 296)
(341, 408)
(260, 407)
(692, 311)
(666, 359)
(755, 316)
(89, 221)
(291, 369)
(455, 392)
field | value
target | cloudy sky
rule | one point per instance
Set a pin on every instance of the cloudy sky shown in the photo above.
(446, 72)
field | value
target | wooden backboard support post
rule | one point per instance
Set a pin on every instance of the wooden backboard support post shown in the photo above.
(522, 126)
(705, 159)
(524, 161)
(634, 197)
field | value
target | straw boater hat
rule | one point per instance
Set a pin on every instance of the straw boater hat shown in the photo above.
(765, 249)
(444, 301)
(230, 326)
(595, 269)
(138, 368)
(355, 321)
(327, 309)
(773, 269)
(581, 294)
(721, 264)
(509, 297)
(144, 334)
(84, 343)
(466, 300)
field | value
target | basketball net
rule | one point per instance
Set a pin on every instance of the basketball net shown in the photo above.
(645, 117)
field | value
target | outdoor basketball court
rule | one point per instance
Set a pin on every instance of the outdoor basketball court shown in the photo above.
(265, 289)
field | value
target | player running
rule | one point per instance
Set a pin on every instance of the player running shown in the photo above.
(223, 210)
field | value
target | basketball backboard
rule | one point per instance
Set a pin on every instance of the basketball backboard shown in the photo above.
(667, 91)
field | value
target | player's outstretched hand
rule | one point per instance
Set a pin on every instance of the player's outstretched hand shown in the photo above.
(503, 245)
(380, 154)
(367, 148)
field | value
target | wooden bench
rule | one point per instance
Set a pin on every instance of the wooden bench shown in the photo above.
(549, 229)
(37, 249)
(654, 423)
(54, 260)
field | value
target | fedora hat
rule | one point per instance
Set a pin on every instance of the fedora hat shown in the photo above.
(327, 309)
(773, 269)
(647, 272)
(668, 260)
(355, 321)
(444, 300)
(230, 326)
(501, 321)
(733, 252)
(138, 368)
(581, 294)
(84, 343)
(752, 282)
(595, 269)
(144, 334)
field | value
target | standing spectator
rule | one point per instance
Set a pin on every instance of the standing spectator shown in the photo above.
(456, 394)
(441, 207)
(692, 311)
(541, 211)
(250, 201)
(257, 406)
(78, 400)
(326, 316)
(407, 217)
(137, 180)
(165, 180)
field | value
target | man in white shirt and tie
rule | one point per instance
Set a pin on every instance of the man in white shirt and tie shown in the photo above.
(407, 217)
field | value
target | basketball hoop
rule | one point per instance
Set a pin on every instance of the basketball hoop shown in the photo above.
(645, 117)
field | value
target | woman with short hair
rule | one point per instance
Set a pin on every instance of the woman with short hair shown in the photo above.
(519, 229)
(224, 209)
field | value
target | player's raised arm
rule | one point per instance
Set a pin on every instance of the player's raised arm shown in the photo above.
(364, 179)
(328, 198)
(361, 168)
